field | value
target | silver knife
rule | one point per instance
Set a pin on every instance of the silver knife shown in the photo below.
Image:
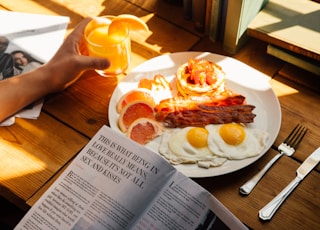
(270, 209)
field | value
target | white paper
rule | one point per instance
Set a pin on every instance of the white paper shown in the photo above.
(115, 183)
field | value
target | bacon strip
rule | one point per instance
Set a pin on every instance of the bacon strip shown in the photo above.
(180, 112)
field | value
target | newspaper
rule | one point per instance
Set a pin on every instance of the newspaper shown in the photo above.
(33, 37)
(115, 183)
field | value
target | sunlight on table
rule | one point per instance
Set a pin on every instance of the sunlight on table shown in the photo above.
(17, 162)
(281, 89)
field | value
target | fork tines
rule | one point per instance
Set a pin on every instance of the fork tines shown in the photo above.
(296, 136)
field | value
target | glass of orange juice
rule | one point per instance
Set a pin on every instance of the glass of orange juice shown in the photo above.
(112, 45)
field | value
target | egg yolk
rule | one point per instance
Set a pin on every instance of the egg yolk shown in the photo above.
(232, 134)
(198, 137)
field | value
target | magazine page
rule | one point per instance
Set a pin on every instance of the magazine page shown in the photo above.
(26, 42)
(105, 186)
(184, 205)
(115, 183)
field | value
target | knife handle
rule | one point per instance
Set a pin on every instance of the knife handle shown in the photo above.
(250, 184)
(270, 209)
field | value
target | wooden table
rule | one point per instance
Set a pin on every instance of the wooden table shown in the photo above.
(34, 152)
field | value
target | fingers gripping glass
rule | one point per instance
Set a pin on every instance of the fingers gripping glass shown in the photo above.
(114, 46)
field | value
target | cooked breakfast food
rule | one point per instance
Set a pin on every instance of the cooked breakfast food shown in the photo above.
(202, 98)
(211, 145)
(200, 121)
(188, 145)
(158, 83)
(236, 141)
(200, 77)
(201, 111)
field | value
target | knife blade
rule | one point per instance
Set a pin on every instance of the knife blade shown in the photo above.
(304, 169)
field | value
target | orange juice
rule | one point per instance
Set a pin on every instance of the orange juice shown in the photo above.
(115, 47)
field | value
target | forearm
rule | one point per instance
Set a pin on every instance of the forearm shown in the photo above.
(61, 71)
(19, 91)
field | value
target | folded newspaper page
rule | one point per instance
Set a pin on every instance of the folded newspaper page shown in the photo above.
(115, 183)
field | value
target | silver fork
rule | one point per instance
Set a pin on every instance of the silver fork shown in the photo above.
(287, 147)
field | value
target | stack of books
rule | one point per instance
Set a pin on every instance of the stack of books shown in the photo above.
(223, 20)
(292, 28)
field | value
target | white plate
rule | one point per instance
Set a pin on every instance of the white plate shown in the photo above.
(241, 78)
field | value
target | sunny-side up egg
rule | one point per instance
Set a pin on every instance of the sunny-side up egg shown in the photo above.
(235, 141)
(188, 145)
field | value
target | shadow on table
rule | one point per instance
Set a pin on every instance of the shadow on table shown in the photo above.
(10, 215)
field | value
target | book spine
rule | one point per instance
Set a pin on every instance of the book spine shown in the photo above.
(296, 49)
(215, 20)
(223, 16)
(187, 9)
(295, 59)
(199, 15)
(208, 15)
(233, 19)
(239, 15)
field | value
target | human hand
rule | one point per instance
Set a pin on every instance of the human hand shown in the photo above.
(67, 64)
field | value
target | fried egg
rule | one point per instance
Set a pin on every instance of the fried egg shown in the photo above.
(189, 145)
(235, 141)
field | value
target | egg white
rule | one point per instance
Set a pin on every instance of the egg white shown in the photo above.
(251, 146)
(176, 149)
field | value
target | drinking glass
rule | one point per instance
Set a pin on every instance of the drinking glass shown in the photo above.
(115, 47)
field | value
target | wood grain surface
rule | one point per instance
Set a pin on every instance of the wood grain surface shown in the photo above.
(34, 152)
